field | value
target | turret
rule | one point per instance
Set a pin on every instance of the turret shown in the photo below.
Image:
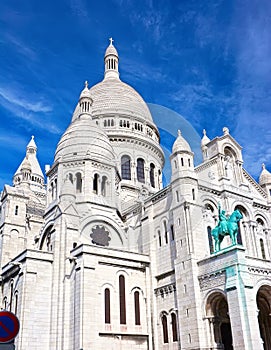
(204, 142)
(111, 61)
(29, 170)
(183, 178)
(265, 181)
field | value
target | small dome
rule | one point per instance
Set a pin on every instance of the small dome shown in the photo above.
(265, 177)
(180, 144)
(205, 139)
(111, 50)
(85, 92)
(84, 138)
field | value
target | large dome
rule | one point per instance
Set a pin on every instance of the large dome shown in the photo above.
(84, 138)
(113, 96)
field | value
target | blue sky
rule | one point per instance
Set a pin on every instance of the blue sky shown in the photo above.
(209, 61)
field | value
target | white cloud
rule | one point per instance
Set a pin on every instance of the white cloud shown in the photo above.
(15, 98)
(20, 46)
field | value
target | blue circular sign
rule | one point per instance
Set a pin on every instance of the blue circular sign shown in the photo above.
(9, 326)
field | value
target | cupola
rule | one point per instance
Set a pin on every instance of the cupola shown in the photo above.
(111, 61)
(204, 148)
(85, 102)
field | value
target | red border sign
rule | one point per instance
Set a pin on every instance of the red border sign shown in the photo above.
(9, 326)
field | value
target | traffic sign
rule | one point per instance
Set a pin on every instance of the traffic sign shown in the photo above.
(9, 326)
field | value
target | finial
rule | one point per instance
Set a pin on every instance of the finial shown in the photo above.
(204, 132)
(226, 130)
(263, 166)
(111, 41)
(86, 84)
(32, 137)
(179, 132)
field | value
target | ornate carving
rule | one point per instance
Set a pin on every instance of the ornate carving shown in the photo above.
(100, 236)
(165, 290)
(212, 280)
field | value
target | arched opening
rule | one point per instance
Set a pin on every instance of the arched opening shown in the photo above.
(174, 327)
(103, 187)
(137, 308)
(219, 322)
(241, 230)
(107, 316)
(78, 177)
(230, 164)
(210, 239)
(152, 181)
(140, 170)
(46, 241)
(165, 329)
(122, 301)
(95, 183)
(126, 167)
(165, 231)
(263, 304)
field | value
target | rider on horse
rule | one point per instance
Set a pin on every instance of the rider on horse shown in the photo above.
(223, 219)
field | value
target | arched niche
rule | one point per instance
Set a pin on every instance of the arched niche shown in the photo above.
(217, 313)
(264, 311)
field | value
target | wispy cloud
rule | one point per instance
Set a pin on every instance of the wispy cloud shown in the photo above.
(34, 112)
(133, 69)
(14, 98)
(20, 46)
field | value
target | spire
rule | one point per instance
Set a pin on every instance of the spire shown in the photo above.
(111, 61)
(205, 139)
(85, 101)
(31, 147)
(30, 165)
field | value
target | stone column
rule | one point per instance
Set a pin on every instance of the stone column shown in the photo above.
(242, 306)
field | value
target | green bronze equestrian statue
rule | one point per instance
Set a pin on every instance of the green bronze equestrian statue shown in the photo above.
(226, 226)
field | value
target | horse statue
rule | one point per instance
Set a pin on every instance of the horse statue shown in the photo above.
(226, 226)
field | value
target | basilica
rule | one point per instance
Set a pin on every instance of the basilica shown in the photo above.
(97, 254)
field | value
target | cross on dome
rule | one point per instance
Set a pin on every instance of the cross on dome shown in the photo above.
(111, 41)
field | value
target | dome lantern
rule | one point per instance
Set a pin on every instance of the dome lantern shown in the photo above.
(111, 61)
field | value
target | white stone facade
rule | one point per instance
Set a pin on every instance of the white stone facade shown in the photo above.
(103, 257)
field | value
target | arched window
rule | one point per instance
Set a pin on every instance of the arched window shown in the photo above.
(159, 238)
(193, 194)
(165, 231)
(152, 180)
(210, 239)
(103, 188)
(5, 303)
(174, 327)
(172, 232)
(165, 329)
(11, 296)
(140, 170)
(55, 196)
(70, 178)
(122, 301)
(95, 183)
(126, 168)
(16, 302)
(78, 182)
(262, 249)
(182, 161)
(137, 308)
(107, 306)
